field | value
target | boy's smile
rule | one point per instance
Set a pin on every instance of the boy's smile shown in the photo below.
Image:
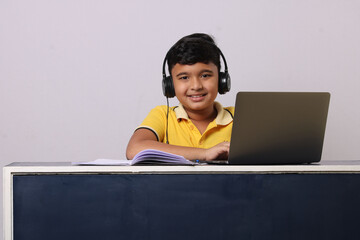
(196, 87)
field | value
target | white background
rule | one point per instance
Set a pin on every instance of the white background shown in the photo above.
(78, 76)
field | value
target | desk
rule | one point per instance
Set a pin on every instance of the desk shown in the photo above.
(61, 201)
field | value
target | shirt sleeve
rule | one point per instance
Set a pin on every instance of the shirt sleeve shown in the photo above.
(155, 121)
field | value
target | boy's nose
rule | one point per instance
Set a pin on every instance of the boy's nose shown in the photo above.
(196, 84)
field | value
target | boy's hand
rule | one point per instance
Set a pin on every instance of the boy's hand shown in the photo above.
(218, 152)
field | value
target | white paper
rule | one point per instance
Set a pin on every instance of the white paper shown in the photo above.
(105, 162)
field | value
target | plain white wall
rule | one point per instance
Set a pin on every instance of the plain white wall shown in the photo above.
(77, 76)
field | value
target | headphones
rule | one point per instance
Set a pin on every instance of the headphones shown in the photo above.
(224, 78)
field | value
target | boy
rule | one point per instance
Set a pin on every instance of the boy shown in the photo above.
(199, 128)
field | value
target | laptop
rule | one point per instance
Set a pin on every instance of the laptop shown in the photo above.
(278, 128)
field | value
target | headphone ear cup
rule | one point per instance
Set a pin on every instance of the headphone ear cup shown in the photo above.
(168, 87)
(224, 82)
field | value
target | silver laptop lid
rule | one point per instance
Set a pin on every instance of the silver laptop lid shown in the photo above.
(278, 127)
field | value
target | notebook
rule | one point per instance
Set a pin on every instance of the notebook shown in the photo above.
(278, 128)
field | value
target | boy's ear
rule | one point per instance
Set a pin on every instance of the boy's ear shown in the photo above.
(168, 87)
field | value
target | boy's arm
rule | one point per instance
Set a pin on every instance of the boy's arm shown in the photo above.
(145, 139)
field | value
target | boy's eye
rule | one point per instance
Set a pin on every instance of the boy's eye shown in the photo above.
(184, 77)
(206, 75)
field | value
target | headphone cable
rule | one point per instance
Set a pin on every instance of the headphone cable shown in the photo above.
(167, 120)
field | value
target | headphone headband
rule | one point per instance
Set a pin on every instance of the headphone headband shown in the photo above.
(218, 49)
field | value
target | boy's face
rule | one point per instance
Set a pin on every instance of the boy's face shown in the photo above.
(196, 86)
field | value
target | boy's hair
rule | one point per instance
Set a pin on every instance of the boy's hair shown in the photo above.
(194, 48)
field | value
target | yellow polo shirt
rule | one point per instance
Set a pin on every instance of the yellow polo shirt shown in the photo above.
(182, 132)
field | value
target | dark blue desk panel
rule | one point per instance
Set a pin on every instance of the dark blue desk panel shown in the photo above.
(186, 206)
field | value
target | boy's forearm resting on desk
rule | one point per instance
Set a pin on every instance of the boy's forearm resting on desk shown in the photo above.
(144, 139)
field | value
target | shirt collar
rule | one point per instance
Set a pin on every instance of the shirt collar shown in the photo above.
(223, 117)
